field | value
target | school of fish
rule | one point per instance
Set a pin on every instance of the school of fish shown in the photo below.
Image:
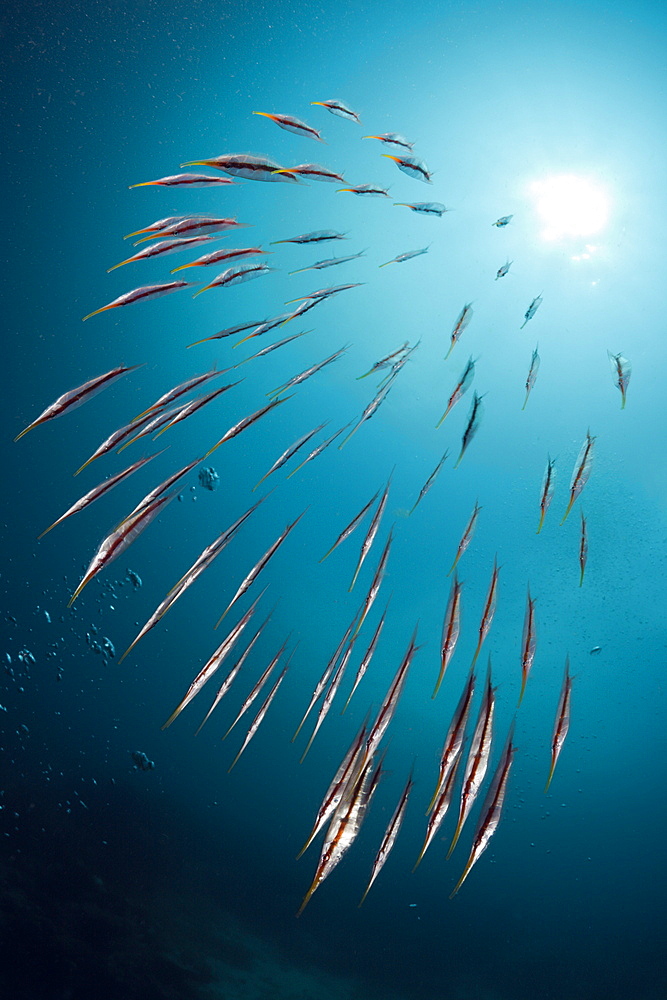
(353, 786)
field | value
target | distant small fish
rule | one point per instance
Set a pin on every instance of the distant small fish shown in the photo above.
(368, 189)
(424, 207)
(252, 168)
(622, 370)
(562, 723)
(319, 236)
(291, 124)
(531, 310)
(583, 550)
(532, 375)
(528, 643)
(547, 490)
(461, 323)
(235, 276)
(459, 389)
(581, 472)
(412, 166)
(504, 220)
(338, 108)
(141, 294)
(503, 269)
(408, 255)
(313, 172)
(184, 180)
(472, 425)
(392, 139)
(595, 650)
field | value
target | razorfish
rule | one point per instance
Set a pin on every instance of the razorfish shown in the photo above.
(621, 370)
(384, 362)
(581, 472)
(461, 323)
(318, 236)
(532, 375)
(181, 389)
(141, 294)
(392, 139)
(313, 172)
(583, 549)
(329, 262)
(503, 269)
(291, 124)
(114, 439)
(367, 657)
(412, 166)
(408, 255)
(195, 225)
(491, 809)
(547, 490)
(184, 180)
(289, 452)
(325, 678)
(471, 426)
(562, 723)
(235, 276)
(368, 190)
(478, 758)
(307, 373)
(347, 531)
(450, 631)
(440, 808)
(195, 405)
(157, 227)
(531, 310)
(424, 207)
(330, 695)
(338, 108)
(255, 724)
(466, 537)
(390, 835)
(98, 491)
(461, 387)
(454, 739)
(220, 256)
(257, 688)
(164, 247)
(320, 448)
(374, 588)
(391, 699)
(489, 610)
(75, 397)
(230, 331)
(372, 531)
(252, 168)
(504, 220)
(429, 482)
(212, 664)
(528, 643)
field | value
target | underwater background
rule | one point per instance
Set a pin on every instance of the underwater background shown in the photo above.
(179, 880)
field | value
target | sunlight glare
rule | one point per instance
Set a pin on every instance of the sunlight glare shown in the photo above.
(569, 206)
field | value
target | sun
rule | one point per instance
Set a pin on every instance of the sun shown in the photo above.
(569, 206)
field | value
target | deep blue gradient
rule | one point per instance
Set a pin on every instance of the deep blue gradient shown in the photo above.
(180, 882)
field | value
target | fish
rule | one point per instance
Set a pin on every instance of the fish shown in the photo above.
(384, 362)
(318, 451)
(345, 824)
(503, 269)
(368, 190)
(157, 227)
(375, 585)
(326, 676)
(256, 722)
(164, 486)
(408, 255)
(325, 293)
(531, 310)
(547, 490)
(235, 276)
(218, 256)
(393, 139)
(424, 207)
(429, 482)
(367, 657)
(156, 420)
(440, 809)
(466, 537)
(76, 397)
(504, 220)
(371, 533)
(318, 236)
(291, 124)
(329, 262)
(274, 347)
(313, 172)
(195, 405)
(528, 643)
(391, 699)
(489, 610)
(307, 373)
(114, 439)
(461, 323)
(562, 723)
(472, 425)
(330, 695)
(347, 531)
(450, 630)
(390, 835)
(491, 810)
(212, 664)
(196, 225)
(412, 166)
(184, 180)
(252, 168)
(289, 452)
(621, 371)
(119, 540)
(259, 566)
(202, 562)
(461, 387)
(581, 472)
(338, 108)
(583, 549)
(99, 490)
(370, 410)
(266, 327)
(164, 247)
(181, 389)
(454, 738)
(228, 332)
(532, 375)
(233, 673)
(141, 294)
(266, 673)
(478, 758)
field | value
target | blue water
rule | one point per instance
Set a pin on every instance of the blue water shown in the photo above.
(180, 881)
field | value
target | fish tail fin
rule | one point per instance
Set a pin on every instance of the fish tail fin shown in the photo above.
(581, 575)
(451, 348)
(466, 872)
(455, 838)
(539, 527)
(204, 289)
(96, 312)
(181, 267)
(78, 590)
(306, 898)
(47, 530)
(523, 688)
(421, 855)
(361, 901)
(569, 508)
(438, 682)
(110, 269)
(477, 651)
(551, 774)
(177, 711)
(308, 745)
